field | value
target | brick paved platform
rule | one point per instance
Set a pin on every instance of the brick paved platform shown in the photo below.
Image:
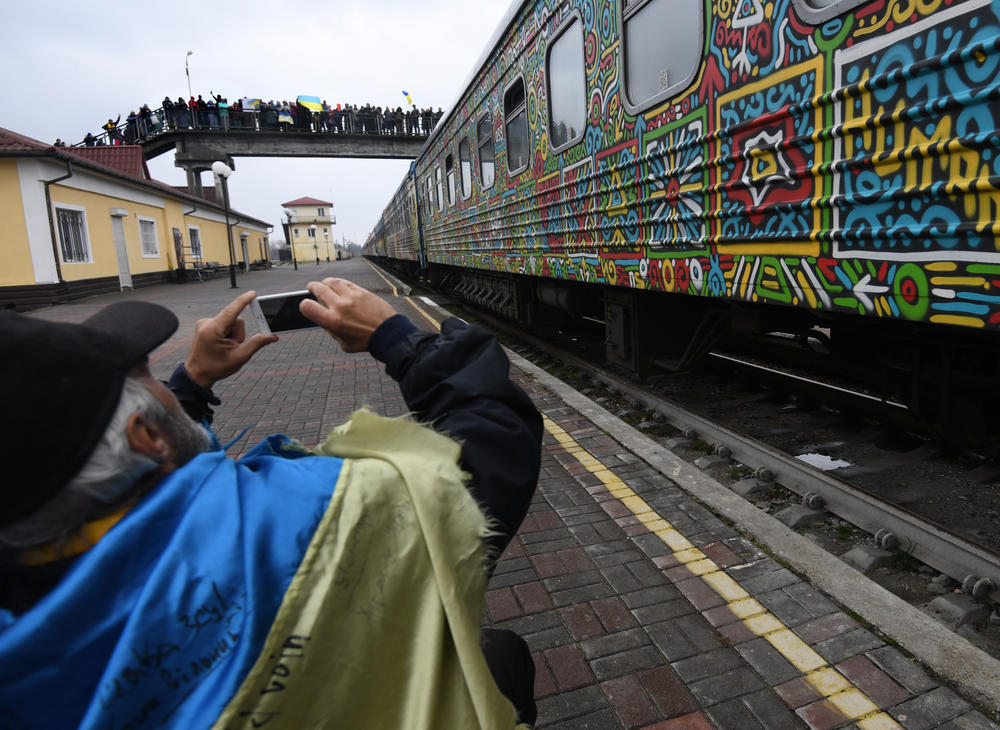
(643, 608)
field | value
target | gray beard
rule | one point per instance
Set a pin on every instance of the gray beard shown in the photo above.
(186, 438)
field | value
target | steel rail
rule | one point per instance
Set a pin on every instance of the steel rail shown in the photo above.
(929, 543)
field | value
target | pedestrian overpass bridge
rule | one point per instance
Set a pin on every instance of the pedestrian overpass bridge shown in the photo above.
(202, 136)
(196, 149)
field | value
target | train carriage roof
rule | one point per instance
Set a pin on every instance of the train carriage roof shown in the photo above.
(491, 45)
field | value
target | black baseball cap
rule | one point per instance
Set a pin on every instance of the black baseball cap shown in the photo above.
(60, 383)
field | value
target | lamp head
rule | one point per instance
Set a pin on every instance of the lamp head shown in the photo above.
(190, 53)
(221, 169)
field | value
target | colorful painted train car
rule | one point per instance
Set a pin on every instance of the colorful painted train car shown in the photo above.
(683, 169)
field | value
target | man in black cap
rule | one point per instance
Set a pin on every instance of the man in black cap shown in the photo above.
(146, 579)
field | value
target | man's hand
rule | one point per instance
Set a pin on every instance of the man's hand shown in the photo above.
(220, 347)
(351, 313)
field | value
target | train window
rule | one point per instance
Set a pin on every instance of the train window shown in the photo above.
(820, 11)
(487, 152)
(430, 193)
(566, 86)
(449, 166)
(440, 188)
(663, 42)
(515, 116)
(465, 160)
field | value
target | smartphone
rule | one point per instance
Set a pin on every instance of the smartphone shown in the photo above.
(280, 312)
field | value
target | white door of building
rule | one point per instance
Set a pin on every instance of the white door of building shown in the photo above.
(246, 254)
(118, 229)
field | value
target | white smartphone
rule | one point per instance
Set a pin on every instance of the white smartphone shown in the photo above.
(280, 312)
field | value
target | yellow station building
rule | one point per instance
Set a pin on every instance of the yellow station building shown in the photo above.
(76, 221)
(310, 224)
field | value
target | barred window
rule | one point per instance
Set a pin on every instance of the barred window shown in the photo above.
(147, 237)
(73, 235)
(194, 234)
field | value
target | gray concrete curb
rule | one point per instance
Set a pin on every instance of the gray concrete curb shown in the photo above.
(953, 658)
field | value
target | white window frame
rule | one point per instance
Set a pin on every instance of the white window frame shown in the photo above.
(815, 12)
(439, 188)
(321, 213)
(491, 146)
(509, 115)
(449, 166)
(568, 25)
(200, 251)
(465, 167)
(156, 238)
(673, 87)
(86, 233)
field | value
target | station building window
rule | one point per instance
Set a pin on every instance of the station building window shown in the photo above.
(662, 48)
(194, 235)
(465, 166)
(515, 116)
(567, 88)
(487, 154)
(147, 238)
(449, 166)
(74, 244)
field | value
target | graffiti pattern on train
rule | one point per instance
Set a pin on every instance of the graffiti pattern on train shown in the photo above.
(849, 165)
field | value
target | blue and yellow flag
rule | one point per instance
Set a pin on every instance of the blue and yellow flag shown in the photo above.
(312, 103)
(249, 103)
(408, 99)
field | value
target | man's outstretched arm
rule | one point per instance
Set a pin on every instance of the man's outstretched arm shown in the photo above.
(457, 381)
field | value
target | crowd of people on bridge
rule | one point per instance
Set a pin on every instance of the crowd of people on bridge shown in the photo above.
(216, 113)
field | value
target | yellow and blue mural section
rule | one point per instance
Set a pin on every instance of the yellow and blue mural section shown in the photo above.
(848, 166)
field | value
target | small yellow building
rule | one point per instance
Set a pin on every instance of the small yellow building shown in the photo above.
(76, 221)
(310, 230)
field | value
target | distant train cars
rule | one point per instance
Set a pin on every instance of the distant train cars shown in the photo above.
(685, 169)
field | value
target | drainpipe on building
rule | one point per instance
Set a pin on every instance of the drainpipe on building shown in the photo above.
(52, 223)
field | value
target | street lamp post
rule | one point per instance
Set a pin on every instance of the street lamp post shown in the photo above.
(288, 237)
(222, 172)
(326, 241)
(187, 70)
(312, 230)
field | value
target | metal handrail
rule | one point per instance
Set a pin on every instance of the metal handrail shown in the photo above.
(138, 129)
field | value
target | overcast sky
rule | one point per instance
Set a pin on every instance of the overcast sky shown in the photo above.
(68, 66)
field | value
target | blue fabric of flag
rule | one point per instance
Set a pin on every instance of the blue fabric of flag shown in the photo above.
(160, 622)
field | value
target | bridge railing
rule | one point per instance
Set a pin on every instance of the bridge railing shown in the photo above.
(212, 119)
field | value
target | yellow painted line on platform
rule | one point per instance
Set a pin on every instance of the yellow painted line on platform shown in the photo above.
(395, 291)
(836, 689)
(409, 300)
(433, 322)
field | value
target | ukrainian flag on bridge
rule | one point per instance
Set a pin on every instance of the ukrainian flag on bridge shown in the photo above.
(312, 103)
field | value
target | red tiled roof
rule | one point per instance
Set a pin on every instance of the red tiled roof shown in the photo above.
(126, 159)
(14, 142)
(117, 163)
(306, 201)
(207, 192)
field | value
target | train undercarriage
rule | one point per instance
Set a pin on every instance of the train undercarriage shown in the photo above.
(949, 378)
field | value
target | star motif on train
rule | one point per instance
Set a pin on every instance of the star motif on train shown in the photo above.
(766, 164)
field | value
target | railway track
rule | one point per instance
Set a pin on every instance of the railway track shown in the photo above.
(885, 530)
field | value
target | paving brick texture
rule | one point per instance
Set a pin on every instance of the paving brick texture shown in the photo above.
(623, 635)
